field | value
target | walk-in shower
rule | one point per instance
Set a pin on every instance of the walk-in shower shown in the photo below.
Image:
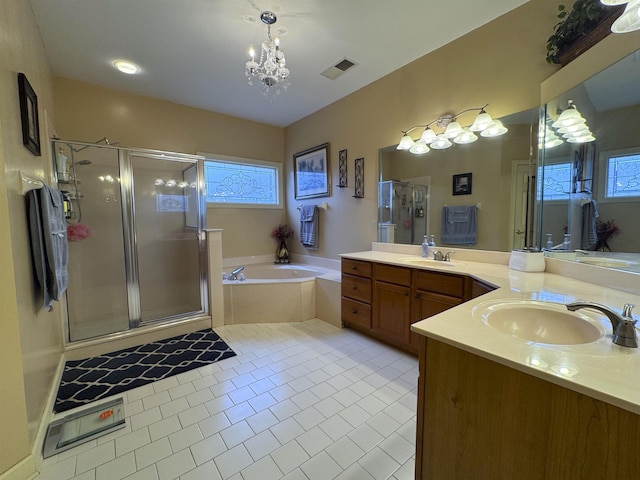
(403, 212)
(136, 237)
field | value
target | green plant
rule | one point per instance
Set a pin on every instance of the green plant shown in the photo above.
(582, 18)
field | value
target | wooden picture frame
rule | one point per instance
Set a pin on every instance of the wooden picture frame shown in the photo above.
(462, 184)
(29, 115)
(311, 177)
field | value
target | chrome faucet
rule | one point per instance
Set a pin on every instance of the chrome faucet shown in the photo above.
(440, 257)
(624, 326)
(234, 273)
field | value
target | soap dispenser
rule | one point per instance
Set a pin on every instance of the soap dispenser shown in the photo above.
(425, 247)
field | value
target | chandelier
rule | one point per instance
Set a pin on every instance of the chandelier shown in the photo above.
(271, 68)
(453, 131)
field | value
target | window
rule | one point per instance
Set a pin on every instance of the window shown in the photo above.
(622, 175)
(554, 181)
(242, 182)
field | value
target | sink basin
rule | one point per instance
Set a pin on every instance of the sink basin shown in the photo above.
(428, 262)
(541, 322)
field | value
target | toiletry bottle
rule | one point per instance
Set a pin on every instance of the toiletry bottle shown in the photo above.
(549, 242)
(566, 244)
(425, 247)
(432, 241)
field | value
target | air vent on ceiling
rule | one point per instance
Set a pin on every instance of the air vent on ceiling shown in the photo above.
(339, 68)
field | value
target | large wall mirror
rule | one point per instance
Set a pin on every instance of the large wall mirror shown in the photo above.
(591, 190)
(496, 176)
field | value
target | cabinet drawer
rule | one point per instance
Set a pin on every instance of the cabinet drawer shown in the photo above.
(391, 274)
(356, 288)
(356, 313)
(356, 267)
(452, 285)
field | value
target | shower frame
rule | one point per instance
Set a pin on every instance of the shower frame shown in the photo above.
(128, 211)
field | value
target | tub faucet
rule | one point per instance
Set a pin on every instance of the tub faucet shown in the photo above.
(624, 326)
(234, 273)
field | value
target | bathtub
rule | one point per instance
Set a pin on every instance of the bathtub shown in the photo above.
(272, 293)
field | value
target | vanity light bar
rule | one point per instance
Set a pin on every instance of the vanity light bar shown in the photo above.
(453, 131)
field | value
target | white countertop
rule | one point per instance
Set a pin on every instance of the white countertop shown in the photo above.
(601, 369)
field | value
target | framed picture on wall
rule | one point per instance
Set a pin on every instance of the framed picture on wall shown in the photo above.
(29, 115)
(311, 172)
(462, 184)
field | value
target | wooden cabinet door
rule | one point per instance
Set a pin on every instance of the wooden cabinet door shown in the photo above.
(427, 304)
(392, 311)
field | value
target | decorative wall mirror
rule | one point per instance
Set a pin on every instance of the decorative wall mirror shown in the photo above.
(413, 189)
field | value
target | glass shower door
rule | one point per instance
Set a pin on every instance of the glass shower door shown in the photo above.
(89, 178)
(168, 249)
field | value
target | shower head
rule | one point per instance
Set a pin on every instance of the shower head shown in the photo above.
(83, 162)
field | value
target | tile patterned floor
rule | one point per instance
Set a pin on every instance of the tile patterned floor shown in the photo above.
(300, 401)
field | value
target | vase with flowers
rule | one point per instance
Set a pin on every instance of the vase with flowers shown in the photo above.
(604, 231)
(282, 232)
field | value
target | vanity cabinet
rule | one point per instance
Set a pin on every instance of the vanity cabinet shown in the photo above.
(392, 303)
(384, 300)
(356, 293)
(480, 419)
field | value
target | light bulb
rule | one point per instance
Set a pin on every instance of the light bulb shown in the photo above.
(126, 67)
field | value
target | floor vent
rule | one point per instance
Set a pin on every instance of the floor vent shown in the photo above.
(339, 68)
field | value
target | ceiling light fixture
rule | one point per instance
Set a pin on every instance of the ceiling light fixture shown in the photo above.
(572, 126)
(629, 21)
(126, 67)
(453, 131)
(271, 69)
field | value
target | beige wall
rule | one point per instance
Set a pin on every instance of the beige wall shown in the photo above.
(30, 340)
(501, 64)
(89, 112)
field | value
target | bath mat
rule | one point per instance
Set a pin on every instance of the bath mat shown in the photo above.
(88, 380)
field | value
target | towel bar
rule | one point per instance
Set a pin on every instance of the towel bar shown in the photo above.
(323, 206)
(27, 184)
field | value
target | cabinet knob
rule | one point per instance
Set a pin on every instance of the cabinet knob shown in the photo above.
(354, 268)
(354, 311)
(406, 294)
(354, 287)
(417, 295)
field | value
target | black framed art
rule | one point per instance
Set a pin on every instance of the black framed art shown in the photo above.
(29, 115)
(462, 184)
(342, 168)
(311, 172)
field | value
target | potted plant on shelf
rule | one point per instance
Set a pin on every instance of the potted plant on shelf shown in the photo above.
(588, 22)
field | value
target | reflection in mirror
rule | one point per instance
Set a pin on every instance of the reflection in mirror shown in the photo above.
(494, 178)
(591, 190)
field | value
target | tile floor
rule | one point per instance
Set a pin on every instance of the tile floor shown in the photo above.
(299, 401)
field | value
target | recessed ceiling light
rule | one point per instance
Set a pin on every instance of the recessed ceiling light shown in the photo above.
(126, 67)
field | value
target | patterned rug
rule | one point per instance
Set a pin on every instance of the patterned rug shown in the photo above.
(88, 380)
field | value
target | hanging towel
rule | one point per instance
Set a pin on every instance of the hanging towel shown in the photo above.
(48, 231)
(309, 226)
(589, 215)
(459, 225)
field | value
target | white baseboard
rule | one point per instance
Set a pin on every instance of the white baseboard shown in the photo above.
(24, 470)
